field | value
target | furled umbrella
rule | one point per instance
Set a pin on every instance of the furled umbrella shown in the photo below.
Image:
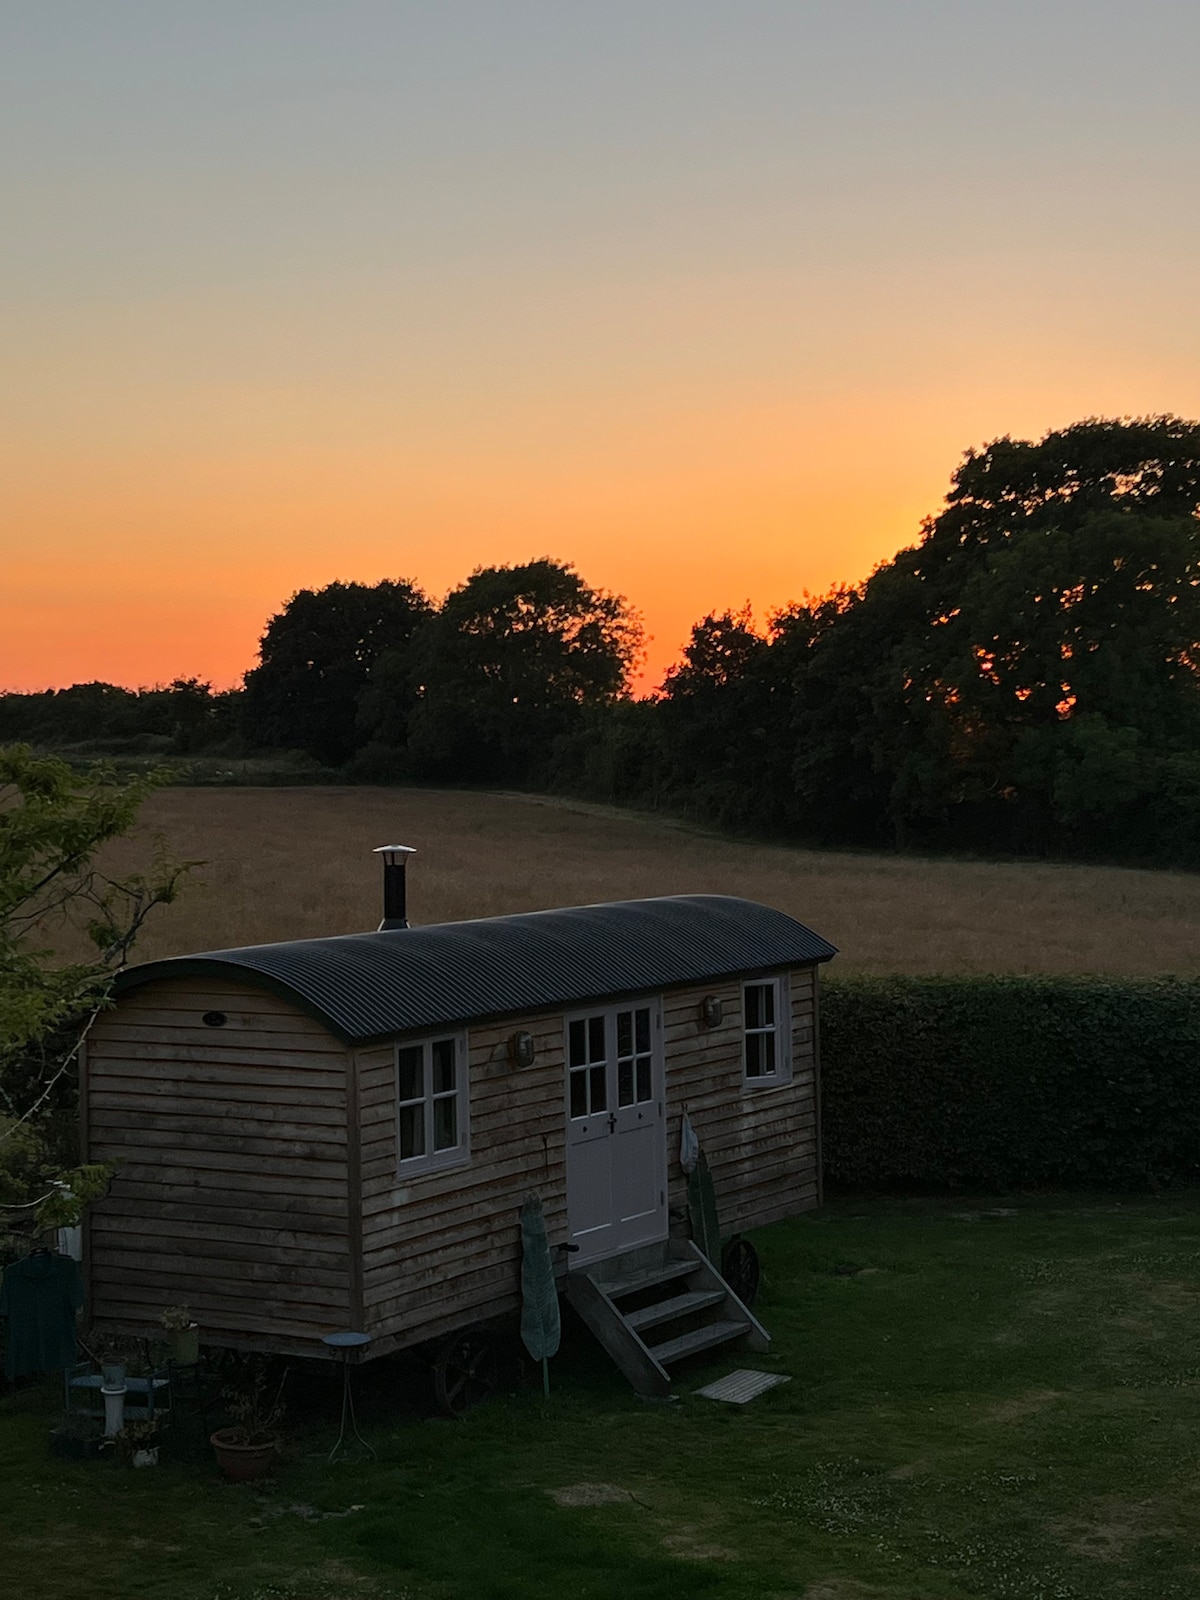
(540, 1325)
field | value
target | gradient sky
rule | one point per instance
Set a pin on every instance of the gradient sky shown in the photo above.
(707, 298)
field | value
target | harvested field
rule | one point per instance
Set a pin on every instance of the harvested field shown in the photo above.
(294, 862)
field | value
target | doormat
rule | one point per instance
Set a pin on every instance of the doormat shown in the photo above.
(736, 1388)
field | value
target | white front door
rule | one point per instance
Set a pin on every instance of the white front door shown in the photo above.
(616, 1140)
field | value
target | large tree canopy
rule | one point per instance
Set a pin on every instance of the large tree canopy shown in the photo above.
(1035, 656)
(1027, 676)
(316, 658)
(515, 658)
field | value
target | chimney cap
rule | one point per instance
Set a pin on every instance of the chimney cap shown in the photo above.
(394, 854)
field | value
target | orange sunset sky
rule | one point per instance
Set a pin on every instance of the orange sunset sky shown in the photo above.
(707, 299)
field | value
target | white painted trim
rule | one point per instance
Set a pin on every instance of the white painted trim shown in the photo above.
(434, 1160)
(782, 1030)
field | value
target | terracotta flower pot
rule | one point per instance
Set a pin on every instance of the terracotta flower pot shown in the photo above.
(241, 1462)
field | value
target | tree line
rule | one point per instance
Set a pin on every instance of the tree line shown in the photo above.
(1025, 677)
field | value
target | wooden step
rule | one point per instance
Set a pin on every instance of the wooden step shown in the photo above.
(699, 1291)
(681, 1305)
(618, 1338)
(688, 1344)
(618, 1288)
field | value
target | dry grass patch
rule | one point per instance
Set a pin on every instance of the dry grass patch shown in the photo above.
(1024, 1405)
(590, 1494)
(297, 863)
(1110, 1529)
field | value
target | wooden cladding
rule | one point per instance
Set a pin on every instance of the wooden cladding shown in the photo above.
(443, 1250)
(257, 1162)
(760, 1140)
(231, 1148)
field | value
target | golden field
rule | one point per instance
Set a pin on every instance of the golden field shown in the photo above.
(296, 862)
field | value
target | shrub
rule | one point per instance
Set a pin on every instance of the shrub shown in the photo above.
(1002, 1082)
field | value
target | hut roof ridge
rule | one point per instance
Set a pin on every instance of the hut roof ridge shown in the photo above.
(372, 985)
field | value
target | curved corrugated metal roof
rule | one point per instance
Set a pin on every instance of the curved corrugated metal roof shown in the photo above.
(370, 985)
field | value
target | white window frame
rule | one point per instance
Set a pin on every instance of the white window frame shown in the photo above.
(652, 1003)
(459, 1154)
(781, 1029)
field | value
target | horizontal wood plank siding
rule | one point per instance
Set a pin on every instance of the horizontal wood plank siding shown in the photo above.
(760, 1142)
(442, 1250)
(236, 1164)
(230, 1146)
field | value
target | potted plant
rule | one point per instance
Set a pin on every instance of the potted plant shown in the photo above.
(250, 1447)
(110, 1351)
(139, 1441)
(183, 1335)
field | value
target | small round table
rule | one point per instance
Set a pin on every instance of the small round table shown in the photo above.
(349, 1348)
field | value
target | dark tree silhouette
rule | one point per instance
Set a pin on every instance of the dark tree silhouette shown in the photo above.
(316, 658)
(515, 659)
(1033, 660)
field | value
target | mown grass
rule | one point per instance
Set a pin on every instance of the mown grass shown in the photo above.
(296, 863)
(989, 1400)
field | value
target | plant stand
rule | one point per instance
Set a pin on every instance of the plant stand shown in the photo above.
(144, 1397)
(114, 1409)
(349, 1346)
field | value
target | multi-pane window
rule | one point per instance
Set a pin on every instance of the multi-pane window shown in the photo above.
(766, 1032)
(587, 1049)
(635, 1059)
(431, 1103)
(619, 1039)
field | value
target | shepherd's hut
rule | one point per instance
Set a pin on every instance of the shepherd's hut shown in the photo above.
(338, 1133)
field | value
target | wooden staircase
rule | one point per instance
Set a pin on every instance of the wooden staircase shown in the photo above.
(655, 1306)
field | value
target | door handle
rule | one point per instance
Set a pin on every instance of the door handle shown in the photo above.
(612, 1122)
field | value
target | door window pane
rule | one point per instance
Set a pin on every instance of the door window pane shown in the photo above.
(624, 1033)
(596, 1051)
(624, 1083)
(579, 1105)
(578, 1044)
(598, 1096)
(643, 1030)
(645, 1080)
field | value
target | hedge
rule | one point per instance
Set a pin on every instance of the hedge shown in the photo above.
(1007, 1082)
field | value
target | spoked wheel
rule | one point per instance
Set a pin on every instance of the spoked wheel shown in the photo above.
(741, 1271)
(465, 1371)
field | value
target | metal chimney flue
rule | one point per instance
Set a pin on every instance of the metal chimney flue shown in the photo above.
(395, 905)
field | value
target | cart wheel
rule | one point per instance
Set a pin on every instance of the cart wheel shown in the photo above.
(465, 1371)
(741, 1270)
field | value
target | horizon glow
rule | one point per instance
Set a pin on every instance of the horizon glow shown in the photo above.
(706, 299)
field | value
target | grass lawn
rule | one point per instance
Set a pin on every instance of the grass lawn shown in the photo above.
(989, 1399)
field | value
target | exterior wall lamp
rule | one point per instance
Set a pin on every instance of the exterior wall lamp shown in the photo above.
(522, 1052)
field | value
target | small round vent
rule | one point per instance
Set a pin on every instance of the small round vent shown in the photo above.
(214, 1019)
